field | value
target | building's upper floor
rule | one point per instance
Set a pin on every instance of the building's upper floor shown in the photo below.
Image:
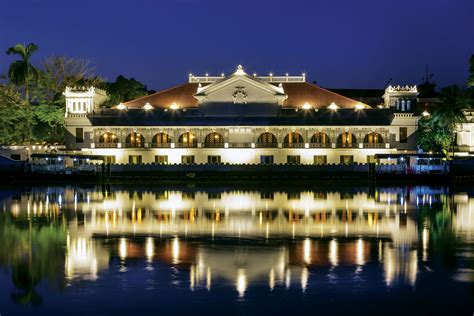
(240, 99)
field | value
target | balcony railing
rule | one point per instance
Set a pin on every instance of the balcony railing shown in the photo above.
(134, 145)
(319, 145)
(186, 145)
(160, 145)
(240, 145)
(346, 145)
(374, 145)
(266, 145)
(214, 145)
(293, 145)
(106, 145)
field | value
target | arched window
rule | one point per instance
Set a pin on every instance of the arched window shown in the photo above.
(108, 140)
(267, 140)
(187, 140)
(320, 139)
(161, 140)
(293, 139)
(346, 140)
(135, 140)
(214, 140)
(373, 138)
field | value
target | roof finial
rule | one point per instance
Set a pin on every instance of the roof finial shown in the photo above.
(240, 70)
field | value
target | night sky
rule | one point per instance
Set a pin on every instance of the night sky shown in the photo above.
(341, 44)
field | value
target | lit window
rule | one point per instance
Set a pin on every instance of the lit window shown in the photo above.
(213, 159)
(161, 159)
(293, 159)
(187, 159)
(320, 159)
(135, 159)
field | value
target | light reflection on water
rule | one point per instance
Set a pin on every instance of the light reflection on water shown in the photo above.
(215, 240)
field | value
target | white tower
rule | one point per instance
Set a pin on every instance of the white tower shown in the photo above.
(80, 102)
(403, 99)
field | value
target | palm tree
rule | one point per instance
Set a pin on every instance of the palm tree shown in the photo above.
(22, 72)
(451, 112)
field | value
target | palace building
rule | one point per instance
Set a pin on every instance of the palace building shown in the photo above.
(242, 119)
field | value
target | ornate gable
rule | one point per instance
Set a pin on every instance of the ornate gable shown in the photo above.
(240, 88)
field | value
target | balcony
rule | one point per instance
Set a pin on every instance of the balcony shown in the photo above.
(106, 145)
(214, 145)
(240, 145)
(347, 145)
(160, 145)
(374, 145)
(134, 145)
(293, 145)
(266, 145)
(186, 145)
(319, 145)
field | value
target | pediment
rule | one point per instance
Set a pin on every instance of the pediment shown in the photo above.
(240, 89)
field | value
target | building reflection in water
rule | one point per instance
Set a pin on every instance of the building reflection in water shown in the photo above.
(284, 237)
(82, 258)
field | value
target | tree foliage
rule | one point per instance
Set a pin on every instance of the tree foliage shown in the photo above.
(123, 90)
(451, 112)
(22, 73)
(431, 138)
(49, 123)
(436, 133)
(62, 71)
(56, 73)
(13, 116)
(33, 251)
(40, 116)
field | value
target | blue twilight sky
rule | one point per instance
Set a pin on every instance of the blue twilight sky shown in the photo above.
(341, 44)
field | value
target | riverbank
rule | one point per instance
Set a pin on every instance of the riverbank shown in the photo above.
(84, 172)
(222, 173)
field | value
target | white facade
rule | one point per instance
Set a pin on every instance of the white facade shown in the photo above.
(241, 119)
(83, 101)
(465, 135)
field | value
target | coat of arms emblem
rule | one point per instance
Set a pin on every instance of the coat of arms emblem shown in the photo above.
(240, 96)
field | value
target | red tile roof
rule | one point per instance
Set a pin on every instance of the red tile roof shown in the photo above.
(298, 94)
(182, 95)
(301, 92)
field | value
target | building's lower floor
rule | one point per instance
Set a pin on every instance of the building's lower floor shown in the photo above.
(238, 155)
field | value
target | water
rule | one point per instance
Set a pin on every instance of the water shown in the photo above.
(236, 250)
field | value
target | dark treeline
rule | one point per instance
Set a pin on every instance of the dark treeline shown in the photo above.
(31, 96)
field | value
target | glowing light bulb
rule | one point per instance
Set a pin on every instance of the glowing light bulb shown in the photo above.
(333, 106)
(174, 106)
(359, 106)
(307, 106)
(240, 70)
(147, 106)
(121, 106)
